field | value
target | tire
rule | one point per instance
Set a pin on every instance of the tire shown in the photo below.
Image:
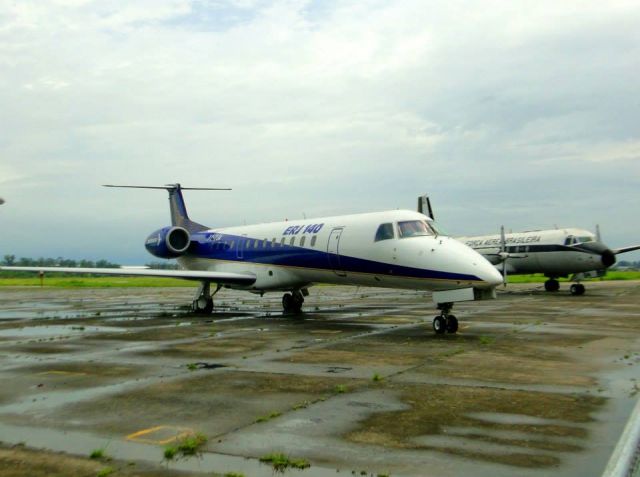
(552, 285)
(287, 302)
(452, 324)
(202, 308)
(439, 325)
(208, 308)
(577, 289)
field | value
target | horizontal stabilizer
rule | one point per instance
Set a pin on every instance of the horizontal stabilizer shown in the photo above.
(179, 216)
(217, 277)
(165, 187)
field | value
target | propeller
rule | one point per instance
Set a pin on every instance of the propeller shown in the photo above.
(503, 255)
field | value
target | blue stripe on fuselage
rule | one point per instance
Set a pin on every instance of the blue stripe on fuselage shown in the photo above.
(217, 246)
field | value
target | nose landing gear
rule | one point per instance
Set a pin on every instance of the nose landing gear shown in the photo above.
(445, 322)
(292, 302)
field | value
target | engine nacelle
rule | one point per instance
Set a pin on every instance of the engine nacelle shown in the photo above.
(168, 242)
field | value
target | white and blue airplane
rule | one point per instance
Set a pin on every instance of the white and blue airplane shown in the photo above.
(394, 249)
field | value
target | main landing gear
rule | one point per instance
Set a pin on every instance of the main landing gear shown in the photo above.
(203, 302)
(292, 302)
(552, 285)
(445, 322)
(577, 289)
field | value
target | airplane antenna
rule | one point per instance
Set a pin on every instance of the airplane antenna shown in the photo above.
(598, 237)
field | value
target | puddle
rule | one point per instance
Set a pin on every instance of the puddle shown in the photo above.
(504, 418)
(207, 365)
(55, 331)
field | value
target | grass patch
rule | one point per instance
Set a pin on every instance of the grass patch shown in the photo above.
(234, 474)
(170, 452)
(188, 446)
(376, 378)
(611, 275)
(281, 462)
(486, 340)
(105, 471)
(340, 389)
(268, 417)
(98, 453)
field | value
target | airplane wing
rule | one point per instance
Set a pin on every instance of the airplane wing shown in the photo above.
(217, 277)
(625, 249)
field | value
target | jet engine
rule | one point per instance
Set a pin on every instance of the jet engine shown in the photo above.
(168, 242)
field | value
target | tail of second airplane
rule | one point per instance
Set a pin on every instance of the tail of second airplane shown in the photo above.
(179, 215)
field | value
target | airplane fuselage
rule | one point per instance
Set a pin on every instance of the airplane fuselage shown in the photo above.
(345, 249)
(555, 253)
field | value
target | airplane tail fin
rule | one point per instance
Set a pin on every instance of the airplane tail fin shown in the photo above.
(179, 215)
(424, 206)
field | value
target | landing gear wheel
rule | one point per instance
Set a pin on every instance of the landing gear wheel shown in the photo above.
(298, 300)
(287, 302)
(577, 289)
(452, 324)
(203, 306)
(552, 285)
(439, 324)
(292, 302)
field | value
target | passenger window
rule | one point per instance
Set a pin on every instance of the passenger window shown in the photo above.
(249, 243)
(282, 241)
(385, 232)
(292, 241)
(273, 242)
(313, 240)
(302, 241)
(256, 244)
(232, 244)
(265, 243)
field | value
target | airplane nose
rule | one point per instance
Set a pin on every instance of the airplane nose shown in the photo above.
(490, 275)
(608, 258)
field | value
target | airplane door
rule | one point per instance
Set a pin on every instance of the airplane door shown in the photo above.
(240, 247)
(333, 251)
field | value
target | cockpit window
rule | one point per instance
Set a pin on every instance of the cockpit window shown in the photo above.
(585, 239)
(568, 240)
(414, 228)
(385, 232)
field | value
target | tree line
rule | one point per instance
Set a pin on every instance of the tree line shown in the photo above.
(13, 261)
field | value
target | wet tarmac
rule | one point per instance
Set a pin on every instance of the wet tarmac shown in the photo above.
(534, 384)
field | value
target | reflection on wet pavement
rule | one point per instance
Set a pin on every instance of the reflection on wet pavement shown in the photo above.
(358, 383)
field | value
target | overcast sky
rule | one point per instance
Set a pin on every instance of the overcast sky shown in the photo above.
(525, 114)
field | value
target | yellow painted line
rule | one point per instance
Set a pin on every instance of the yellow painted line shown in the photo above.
(181, 432)
(63, 373)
